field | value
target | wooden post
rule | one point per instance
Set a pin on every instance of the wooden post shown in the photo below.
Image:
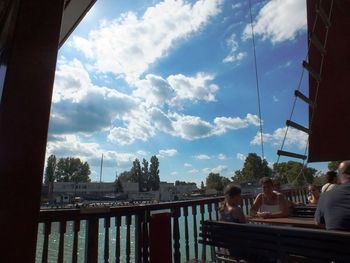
(24, 117)
(91, 240)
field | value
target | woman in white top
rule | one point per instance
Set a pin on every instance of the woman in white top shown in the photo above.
(269, 204)
(331, 177)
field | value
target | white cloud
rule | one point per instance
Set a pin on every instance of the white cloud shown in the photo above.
(80, 106)
(274, 98)
(168, 152)
(115, 46)
(193, 88)
(202, 157)
(294, 137)
(218, 169)
(236, 6)
(241, 156)
(193, 171)
(174, 173)
(73, 146)
(228, 123)
(187, 165)
(175, 89)
(279, 20)
(191, 127)
(234, 54)
(222, 156)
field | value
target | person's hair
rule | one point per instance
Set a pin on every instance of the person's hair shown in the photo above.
(344, 170)
(266, 180)
(312, 187)
(231, 190)
(331, 176)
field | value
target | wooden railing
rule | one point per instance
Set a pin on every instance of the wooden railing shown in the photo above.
(120, 234)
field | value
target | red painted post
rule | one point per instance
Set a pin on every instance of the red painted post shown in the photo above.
(160, 238)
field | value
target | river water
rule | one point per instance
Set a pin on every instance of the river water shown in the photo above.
(68, 244)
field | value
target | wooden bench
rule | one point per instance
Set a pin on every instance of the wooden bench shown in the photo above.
(261, 243)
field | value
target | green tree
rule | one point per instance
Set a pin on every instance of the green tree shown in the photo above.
(333, 165)
(136, 173)
(293, 172)
(254, 168)
(145, 175)
(50, 169)
(72, 170)
(154, 173)
(202, 186)
(215, 181)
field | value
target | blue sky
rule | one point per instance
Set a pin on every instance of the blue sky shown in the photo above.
(176, 79)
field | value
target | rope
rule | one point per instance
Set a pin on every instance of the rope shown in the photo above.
(257, 83)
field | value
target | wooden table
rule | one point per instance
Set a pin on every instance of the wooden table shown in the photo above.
(288, 221)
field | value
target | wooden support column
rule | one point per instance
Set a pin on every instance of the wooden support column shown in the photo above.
(24, 118)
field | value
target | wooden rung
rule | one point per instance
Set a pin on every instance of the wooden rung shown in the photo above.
(297, 126)
(323, 16)
(312, 72)
(317, 43)
(301, 96)
(290, 154)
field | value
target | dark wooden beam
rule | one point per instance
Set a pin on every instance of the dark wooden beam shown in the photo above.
(24, 118)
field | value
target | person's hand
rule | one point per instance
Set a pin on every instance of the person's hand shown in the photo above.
(263, 214)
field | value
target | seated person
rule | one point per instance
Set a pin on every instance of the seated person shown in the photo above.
(231, 211)
(314, 195)
(269, 204)
(331, 177)
(333, 208)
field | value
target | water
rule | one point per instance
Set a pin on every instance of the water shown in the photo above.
(68, 240)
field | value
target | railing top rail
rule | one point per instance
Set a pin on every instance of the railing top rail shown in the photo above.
(85, 213)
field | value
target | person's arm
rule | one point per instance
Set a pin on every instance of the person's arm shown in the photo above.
(256, 205)
(238, 214)
(319, 215)
(283, 208)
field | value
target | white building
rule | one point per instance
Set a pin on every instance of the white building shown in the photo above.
(65, 191)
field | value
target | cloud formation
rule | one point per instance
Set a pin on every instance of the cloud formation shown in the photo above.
(114, 46)
(294, 138)
(234, 55)
(279, 20)
(202, 157)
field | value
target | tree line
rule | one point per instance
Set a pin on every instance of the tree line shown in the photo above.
(67, 169)
(147, 175)
(254, 168)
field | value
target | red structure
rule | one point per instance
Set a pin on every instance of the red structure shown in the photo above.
(329, 138)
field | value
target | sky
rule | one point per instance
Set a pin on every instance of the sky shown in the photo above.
(176, 79)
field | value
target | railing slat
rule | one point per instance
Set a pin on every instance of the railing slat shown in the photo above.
(186, 234)
(204, 252)
(117, 238)
(47, 232)
(145, 238)
(176, 213)
(76, 230)
(63, 225)
(107, 226)
(195, 235)
(128, 247)
(216, 205)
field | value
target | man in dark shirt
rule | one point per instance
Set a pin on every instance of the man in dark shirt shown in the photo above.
(333, 208)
